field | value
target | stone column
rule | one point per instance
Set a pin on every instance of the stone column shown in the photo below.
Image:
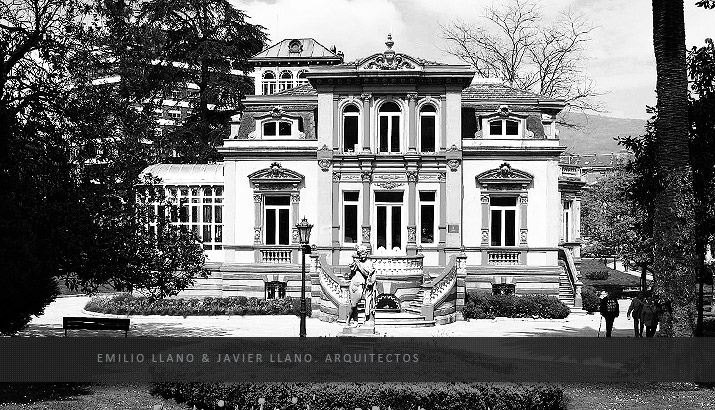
(523, 228)
(411, 212)
(442, 259)
(336, 218)
(337, 123)
(366, 111)
(412, 127)
(257, 225)
(366, 227)
(485, 227)
(295, 211)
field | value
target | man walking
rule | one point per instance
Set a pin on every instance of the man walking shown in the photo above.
(635, 309)
(609, 310)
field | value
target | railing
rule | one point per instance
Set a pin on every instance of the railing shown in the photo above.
(570, 170)
(576, 284)
(397, 265)
(503, 257)
(436, 291)
(335, 289)
(274, 255)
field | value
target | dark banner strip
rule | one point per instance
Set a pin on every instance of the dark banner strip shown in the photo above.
(80, 359)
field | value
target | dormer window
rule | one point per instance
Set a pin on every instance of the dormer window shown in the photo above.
(277, 129)
(269, 83)
(501, 127)
(295, 46)
(286, 80)
(390, 127)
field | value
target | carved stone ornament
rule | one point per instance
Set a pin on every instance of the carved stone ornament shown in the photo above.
(524, 200)
(453, 148)
(257, 198)
(257, 234)
(453, 164)
(366, 175)
(442, 176)
(294, 235)
(411, 96)
(295, 198)
(275, 178)
(389, 184)
(411, 233)
(324, 148)
(504, 110)
(336, 176)
(485, 199)
(523, 235)
(366, 97)
(366, 234)
(324, 164)
(411, 176)
(277, 112)
(505, 171)
(388, 60)
(485, 236)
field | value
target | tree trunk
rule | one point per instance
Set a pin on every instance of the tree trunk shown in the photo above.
(674, 268)
(644, 282)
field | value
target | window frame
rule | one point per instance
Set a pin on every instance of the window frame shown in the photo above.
(343, 116)
(358, 209)
(503, 216)
(277, 208)
(269, 85)
(433, 204)
(277, 136)
(285, 83)
(434, 114)
(400, 129)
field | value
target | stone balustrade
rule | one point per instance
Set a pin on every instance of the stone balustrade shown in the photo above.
(503, 257)
(397, 265)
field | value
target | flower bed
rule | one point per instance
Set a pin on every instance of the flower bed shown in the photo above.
(484, 305)
(331, 396)
(126, 304)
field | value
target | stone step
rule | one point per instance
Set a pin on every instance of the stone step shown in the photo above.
(402, 319)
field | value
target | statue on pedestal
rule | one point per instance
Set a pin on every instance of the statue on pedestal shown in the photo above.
(362, 285)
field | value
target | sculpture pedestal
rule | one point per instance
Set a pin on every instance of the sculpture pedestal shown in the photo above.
(365, 330)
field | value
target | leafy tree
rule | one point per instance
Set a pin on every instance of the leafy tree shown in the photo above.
(205, 43)
(512, 43)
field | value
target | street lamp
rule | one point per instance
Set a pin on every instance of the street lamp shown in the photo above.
(304, 237)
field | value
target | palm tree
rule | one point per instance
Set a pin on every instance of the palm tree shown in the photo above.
(673, 233)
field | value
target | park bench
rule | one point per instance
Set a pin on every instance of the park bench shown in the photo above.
(95, 323)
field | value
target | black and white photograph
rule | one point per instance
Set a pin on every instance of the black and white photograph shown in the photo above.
(357, 204)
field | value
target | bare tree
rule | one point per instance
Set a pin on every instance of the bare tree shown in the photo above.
(516, 46)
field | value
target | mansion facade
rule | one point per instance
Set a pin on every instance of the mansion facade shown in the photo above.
(454, 184)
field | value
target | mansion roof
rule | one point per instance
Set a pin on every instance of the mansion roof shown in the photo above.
(188, 174)
(297, 49)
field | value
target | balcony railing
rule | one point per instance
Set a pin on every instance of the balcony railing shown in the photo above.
(276, 255)
(503, 257)
(397, 265)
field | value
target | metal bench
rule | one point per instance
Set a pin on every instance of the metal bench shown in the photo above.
(95, 323)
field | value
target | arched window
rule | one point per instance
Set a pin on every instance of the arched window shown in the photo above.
(390, 127)
(428, 128)
(269, 82)
(300, 78)
(277, 129)
(504, 127)
(285, 81)
(351, 116)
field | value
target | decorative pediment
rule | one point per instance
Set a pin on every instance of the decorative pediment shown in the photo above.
(389, 60)
(276, 177)
(277, 113)
(505, 178)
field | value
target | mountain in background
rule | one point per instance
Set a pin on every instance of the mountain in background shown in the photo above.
(595, 134)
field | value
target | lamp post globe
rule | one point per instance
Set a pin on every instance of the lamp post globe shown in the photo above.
(303, 228)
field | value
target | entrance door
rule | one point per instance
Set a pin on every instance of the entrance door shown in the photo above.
(388, 213)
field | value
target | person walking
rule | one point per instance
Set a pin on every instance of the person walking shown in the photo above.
(609, 310)
(650, 316)
(635, 309)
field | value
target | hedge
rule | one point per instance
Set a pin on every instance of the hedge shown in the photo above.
(127, 304)
(348, 396)
(484, 305)
(589, 298)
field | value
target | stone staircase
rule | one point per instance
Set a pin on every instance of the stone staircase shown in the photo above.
(409, 317)
(566, 290)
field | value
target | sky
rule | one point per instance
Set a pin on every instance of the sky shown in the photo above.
(619, 55)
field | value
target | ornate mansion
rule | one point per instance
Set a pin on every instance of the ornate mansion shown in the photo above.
(453, 183)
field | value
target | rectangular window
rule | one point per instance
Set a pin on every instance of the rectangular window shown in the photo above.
(395, 134)
(269, 129)
(384, 121)
(350, 217)
(427, 133)
(512, 127)
(277, 221)
(427, 214)
(284, 129)
(503, 221)
(566, 222)
(495, 128)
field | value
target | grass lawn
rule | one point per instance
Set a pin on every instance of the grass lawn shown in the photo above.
(582, 396)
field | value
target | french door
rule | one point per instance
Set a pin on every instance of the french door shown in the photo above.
(389, 226)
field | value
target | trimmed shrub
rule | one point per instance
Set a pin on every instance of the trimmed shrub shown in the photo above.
(597, 275)
(127, 304)
(484, 305)
(590, 300)
(397, 396)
